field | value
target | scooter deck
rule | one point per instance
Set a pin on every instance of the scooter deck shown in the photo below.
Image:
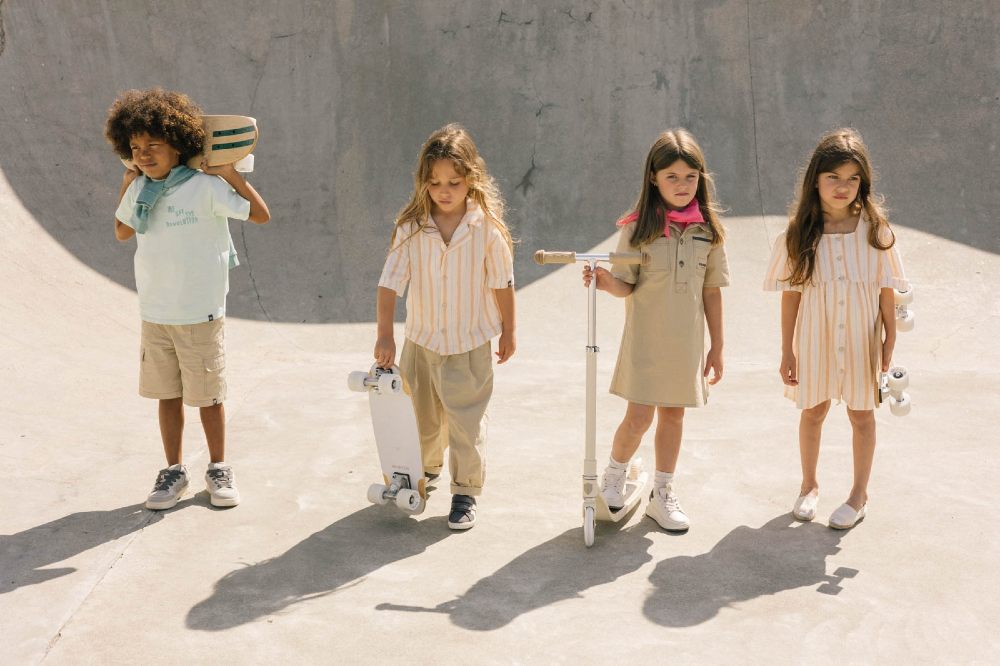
(634, 490)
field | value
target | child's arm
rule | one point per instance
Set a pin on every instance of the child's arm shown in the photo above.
(385, 343)
(712, 298)
(789, 313)
(887, 306)
(607, 282)
(508, 342)
(259, 214)
(122, 231)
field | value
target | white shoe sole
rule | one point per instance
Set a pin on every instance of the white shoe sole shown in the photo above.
(670, 526)
(460, 526)
(861, 516)
(223, 502)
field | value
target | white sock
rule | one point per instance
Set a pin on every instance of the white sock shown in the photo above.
(661, 479)
(614, 464)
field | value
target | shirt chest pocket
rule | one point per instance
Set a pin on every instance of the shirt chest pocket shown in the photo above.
(701, 246)
(662, 254)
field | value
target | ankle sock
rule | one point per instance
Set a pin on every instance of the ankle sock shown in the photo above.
(661, 479)
(614, 464)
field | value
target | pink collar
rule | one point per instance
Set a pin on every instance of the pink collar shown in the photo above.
(690, 214)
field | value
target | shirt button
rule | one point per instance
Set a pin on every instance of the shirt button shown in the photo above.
(839, 258)
(681, 264)
(681, 241)
(840, 302)
(841, 326)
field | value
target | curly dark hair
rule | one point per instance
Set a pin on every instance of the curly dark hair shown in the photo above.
(171, 116)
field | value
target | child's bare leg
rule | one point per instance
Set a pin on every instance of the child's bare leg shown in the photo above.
(810, 432)
(637, 420)
(213, 421)
(863, 425)
(669, 429)
(172, 428)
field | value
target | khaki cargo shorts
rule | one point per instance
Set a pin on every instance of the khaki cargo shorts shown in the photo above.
(186, 362)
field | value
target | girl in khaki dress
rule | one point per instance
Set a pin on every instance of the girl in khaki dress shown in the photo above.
(662, 365)
(836, 266)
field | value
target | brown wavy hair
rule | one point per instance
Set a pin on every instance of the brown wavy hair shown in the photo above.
(805, 224)
(453, 142)
(649, 210)
(165, 114)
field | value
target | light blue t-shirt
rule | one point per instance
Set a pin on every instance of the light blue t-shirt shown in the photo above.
(182, 262)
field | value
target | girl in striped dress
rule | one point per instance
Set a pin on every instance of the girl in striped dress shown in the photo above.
(836, 266)
(450, 246)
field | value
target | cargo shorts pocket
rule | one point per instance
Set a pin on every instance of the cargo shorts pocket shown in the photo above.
(215, 378)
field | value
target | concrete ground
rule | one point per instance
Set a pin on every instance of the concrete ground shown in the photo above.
(306, 571)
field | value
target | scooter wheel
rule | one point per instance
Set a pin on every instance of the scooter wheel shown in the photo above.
(356, 381)
(376, 494)
(900, 406)
(588, 526)
(899, 378)
(903, 297)
(905, 320)
(410, 501)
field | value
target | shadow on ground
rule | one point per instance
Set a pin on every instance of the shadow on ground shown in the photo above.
(747, 563)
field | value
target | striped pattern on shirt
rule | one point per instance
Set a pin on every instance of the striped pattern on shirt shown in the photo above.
(835, 325)
(450, 306)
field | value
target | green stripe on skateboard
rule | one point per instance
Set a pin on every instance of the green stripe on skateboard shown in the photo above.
(231, 132)
(237, 144)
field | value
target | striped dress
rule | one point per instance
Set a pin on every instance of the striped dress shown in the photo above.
(836, 318)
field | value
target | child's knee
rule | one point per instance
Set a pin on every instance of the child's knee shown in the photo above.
(817, 414)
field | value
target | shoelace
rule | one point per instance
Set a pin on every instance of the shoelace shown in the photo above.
(167, 478)
(223, 478)
(671, 502)
(615, 480)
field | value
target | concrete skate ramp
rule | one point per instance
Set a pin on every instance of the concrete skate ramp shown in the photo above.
(563, 99)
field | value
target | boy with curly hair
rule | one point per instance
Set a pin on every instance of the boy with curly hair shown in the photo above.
(182, 260)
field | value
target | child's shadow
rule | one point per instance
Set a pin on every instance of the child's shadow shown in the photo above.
(344, 552)
(746, 564)
(558, 569)
(24, 554)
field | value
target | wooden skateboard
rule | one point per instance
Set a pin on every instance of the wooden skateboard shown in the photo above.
(396, 438)
(228, 140)
(889, 385)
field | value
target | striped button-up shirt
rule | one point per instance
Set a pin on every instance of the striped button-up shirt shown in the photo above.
(450, 306)
(835, 326)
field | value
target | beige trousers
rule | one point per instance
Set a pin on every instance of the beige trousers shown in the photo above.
(450, 395)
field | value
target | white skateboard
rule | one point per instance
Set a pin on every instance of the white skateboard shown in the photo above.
(228, 140)
(889, 385)
(396, 438)
(594, 505)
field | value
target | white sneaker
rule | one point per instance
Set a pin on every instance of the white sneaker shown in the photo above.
(171, 482)
(665, 509)
(845, 517)
(805, 506)
(613, 487)
(221, 485)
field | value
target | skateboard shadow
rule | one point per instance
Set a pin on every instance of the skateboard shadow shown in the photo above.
(747, 563)
(24, 554)
(561, 568)
(342, 553)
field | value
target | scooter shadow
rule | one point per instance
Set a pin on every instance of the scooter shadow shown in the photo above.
(24, 554)
(747, 563)
(326, 561)
(561, 568)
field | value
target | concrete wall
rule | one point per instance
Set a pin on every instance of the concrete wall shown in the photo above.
(562, 97)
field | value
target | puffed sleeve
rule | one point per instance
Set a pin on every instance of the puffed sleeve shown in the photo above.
(779, 268)
(890, 265)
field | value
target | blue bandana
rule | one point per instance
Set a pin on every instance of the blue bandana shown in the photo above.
(151, 192)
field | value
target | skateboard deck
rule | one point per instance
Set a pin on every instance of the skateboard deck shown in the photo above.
(635, 486)
(228, 140)
(396, 439)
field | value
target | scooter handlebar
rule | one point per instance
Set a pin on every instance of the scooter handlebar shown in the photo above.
(547, 257)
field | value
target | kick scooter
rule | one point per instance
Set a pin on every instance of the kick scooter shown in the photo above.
(595, 507)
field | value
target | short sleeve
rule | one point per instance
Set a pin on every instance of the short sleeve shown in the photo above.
(226, 202)
(626, 272)
(499, 260)
(125, 207)
(890, 265)
(779, 268)
(717, 269)
(396, 271)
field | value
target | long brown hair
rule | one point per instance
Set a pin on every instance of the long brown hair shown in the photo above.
(649, 210)
(453, 142)
(805, 224)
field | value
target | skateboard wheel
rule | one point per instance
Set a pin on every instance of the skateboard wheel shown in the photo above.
(905, 319)
(900, 406)
(389, 383)
(376, 494)
(588, 526)
(899, 378)
(356, 381)
(903, 297)
(634, 469)
(410, 501)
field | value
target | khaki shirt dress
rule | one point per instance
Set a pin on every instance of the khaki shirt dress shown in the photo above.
(662, 356)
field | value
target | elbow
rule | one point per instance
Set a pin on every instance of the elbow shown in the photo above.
(260, 216)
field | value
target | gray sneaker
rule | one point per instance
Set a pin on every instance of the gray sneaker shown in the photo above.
(221, 485)
(170, 485)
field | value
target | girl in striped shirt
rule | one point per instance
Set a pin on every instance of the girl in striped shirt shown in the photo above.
(451, 247)
(836, 266)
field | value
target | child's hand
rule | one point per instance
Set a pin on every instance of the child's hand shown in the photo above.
(603, 276)
(788, 369)
(506, 346)
(385, 352)
(131, 173)
(224, 170)
(713, 361)
(887, 348)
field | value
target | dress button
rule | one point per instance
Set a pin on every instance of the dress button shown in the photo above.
(681, 264)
